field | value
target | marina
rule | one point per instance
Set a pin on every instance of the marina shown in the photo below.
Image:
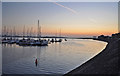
(27, 41)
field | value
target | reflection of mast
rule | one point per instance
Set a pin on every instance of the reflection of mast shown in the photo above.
(38, 57)
(36, 60)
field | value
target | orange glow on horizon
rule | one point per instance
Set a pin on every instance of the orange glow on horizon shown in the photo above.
(69, 32)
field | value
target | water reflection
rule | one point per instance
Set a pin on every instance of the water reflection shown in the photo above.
(54, 58)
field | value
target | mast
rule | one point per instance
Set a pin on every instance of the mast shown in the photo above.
(7, 31)
(28, 33)
(11, 33)
(14, 32)
(4, 32)
(23, 31)
(39, 31)
(60, 33)
(60, 36)
(56, 36)
(31, 32)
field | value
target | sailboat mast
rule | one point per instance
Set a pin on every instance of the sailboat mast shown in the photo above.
(14, 32)
(60, 33)
(23, 31)
(11, 33)
(56, 36)
(7, 31)
(30, 32)
(4, 31)
(39, 30)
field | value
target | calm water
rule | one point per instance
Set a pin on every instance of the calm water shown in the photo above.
(54, 58)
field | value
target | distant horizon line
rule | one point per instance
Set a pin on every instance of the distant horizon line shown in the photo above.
(52, 36)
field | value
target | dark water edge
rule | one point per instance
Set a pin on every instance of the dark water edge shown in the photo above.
(106, 63)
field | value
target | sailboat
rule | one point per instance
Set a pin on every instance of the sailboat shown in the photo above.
(4, 34)
(12, 40)
(56, 37)
(60, 40)
(31, 41)
(23, 42)
(40, 42)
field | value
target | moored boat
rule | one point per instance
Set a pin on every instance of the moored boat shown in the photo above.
(4, 40)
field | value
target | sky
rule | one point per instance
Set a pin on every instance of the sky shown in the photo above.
(72, 18)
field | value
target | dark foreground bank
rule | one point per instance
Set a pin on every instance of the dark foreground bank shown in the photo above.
(105, 63)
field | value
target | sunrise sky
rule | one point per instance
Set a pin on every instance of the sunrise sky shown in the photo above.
(73, 18)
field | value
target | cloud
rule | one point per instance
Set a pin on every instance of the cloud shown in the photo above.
(70, 9)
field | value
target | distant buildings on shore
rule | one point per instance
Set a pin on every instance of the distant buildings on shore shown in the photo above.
(116, 35)
(113, 36)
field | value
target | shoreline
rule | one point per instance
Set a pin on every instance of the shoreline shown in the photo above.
(104, 63)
